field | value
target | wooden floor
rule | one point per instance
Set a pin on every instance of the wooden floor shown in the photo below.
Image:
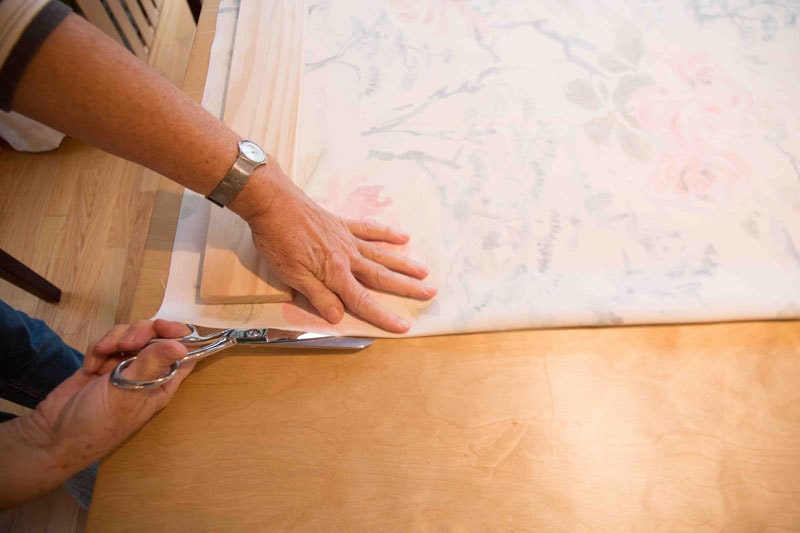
(86, 234)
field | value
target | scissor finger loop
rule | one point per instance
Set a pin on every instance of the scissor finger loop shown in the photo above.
(118, 380)
(212, 344)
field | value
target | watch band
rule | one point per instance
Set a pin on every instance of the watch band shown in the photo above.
(241, 170)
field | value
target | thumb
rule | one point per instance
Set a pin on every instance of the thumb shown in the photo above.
(155, 360)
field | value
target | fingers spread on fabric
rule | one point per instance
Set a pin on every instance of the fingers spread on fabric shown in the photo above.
(360, 301)
(393, 261)
(323, 299)
(373, 231)
(327, 259)
(379, 277)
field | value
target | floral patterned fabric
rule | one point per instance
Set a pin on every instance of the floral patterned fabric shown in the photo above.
(560, 163)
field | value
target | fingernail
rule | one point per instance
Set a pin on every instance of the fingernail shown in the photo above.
(127, 339)
(430, 292)
(403, 324)
(333, 315)
(102, 343)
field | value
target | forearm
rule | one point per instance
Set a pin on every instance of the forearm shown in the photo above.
(84, 84)
(87, 86)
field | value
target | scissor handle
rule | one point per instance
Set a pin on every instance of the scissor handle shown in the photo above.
(137, 384)
(220, 342)
(193, 338)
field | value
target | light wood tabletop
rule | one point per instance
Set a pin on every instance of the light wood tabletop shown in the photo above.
(628, 428)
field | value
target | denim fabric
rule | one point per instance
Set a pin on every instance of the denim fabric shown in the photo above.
(33, 359)
(81, 485)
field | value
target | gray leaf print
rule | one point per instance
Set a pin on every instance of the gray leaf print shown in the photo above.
(633, 144)
(582, 94)
(629, 45)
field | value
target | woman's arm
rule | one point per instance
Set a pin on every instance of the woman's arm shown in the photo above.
(84, 84)
(86, 417)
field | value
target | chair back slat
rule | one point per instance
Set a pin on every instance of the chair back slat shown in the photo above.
(126, 26)
(131, 22)
(146, 30)
(95, 13)
(152, 9)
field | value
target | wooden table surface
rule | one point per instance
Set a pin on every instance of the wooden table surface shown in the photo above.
(635, 428)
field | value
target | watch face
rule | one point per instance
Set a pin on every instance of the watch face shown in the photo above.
(252, 151)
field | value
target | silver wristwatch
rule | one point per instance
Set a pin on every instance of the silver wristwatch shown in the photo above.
(251, 156)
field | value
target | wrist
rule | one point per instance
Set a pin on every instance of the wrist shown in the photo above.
(258, 195)
(37, 435)
(33, 462)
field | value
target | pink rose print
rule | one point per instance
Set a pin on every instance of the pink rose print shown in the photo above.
(705, 176)
(697, 114)
(435, 14)
(354, 200)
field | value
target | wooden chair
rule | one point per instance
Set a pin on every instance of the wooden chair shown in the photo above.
(131, 22)
(23, 277)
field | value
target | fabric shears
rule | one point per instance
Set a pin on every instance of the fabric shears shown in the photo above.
(215, 342)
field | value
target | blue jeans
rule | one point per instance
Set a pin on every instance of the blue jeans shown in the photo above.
(33, 362)
(33, 359)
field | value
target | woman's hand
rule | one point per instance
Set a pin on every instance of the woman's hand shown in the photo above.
(86, 417)
(328, 259)
(90, 415)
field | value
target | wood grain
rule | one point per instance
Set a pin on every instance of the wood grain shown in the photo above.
(261, 104)
(614, 429)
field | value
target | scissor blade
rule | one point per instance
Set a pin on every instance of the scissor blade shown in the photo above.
(297, 339)
(329, 343)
